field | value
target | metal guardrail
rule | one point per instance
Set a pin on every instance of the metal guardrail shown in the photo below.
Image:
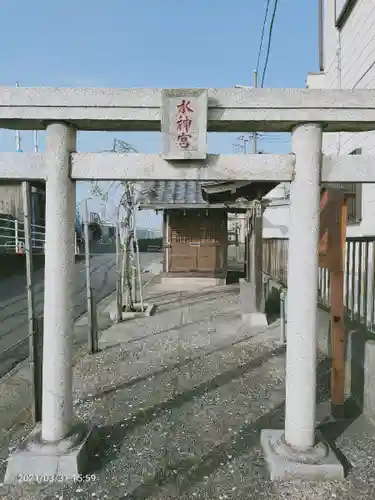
(12, 236)
(38, 288)
(359, 276)
(17, 307)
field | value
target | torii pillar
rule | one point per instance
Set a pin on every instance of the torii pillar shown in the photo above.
(57, 448)
(296, 451)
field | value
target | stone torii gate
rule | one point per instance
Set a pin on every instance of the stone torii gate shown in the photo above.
(57, 446)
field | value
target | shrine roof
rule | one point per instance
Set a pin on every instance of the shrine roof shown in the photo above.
(228, 192)
(172, 194)
(168, 195)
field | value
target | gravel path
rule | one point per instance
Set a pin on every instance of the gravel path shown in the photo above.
(179, 400)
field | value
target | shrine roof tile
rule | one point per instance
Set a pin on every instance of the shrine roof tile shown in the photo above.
(160, 194)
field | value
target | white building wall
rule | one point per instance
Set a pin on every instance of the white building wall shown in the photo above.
(349, 62)
(276, 220)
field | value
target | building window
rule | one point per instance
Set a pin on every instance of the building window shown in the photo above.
(354, 197)
(353, 192)
(355, 204)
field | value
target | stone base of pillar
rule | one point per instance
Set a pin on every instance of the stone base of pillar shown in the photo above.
(250, 315)
(284, 463)
(247, 296)
(255, 320)
(39, 462)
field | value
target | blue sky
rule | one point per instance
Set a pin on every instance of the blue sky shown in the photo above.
(152, 43)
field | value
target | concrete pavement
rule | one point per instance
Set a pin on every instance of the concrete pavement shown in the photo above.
(13, 304)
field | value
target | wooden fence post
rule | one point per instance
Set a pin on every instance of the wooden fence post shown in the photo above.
(338, 320)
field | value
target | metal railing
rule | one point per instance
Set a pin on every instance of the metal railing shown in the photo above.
(359, 276)
(14, 338)
(14, 318)
(12, 236)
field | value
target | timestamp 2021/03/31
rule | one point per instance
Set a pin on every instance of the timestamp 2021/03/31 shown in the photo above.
(57, 478)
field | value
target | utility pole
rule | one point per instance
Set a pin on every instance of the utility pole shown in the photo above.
(18, 136)
(36, 145)
(33, 209)
(245, 145)
(255, 85)
(88, 277)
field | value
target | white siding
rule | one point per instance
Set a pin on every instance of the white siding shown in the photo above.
(358, 44)
(276, 221)
(330, 40)
(349, 62)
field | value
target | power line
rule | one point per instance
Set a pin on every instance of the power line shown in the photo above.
(262, 35)
(269, 42)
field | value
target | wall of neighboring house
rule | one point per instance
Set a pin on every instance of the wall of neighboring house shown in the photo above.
(11, 209)
(11, 200)
(11, 203)
(276, 220)
(349, 63)
(276, 215)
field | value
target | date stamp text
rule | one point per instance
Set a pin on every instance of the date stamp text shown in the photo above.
(55, 478)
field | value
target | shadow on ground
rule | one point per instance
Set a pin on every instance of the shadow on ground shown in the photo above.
(233, 276)
(113, 435)
(193, 298)
(240, 370)
(272, 305)
(190, 471)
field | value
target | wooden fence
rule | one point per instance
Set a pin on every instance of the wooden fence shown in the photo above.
(359, 285)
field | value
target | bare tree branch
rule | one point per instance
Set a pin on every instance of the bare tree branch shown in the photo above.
(129, 272)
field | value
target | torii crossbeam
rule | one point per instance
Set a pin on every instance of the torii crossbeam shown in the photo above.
(56, 445)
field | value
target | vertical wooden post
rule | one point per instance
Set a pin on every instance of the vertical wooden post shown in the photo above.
(256, 256)
(337, 319)
(247, 245)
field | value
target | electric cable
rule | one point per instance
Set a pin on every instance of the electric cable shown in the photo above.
(269, 42)
(262, 35)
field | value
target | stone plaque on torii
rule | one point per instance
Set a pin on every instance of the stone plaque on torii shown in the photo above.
(184, 124)
(293, 451)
